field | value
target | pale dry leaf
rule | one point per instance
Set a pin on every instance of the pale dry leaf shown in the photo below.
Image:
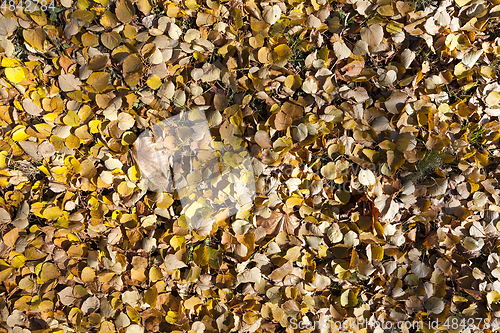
(69, 82)
(174, 31)
(16, 318)
(121, 321)
(341, 50)
(131, 297)
(278, 222)
(310, 85)
(171, 263)
(272, 14)
(31, 108)
(372, 35)
(313, 22)
(396, 102)
(21, 220)
(351, 239)
(419, 268)
(434, 305)
(135, 329)
(407, 57)
(66, 296)
(90, 305)
(46, 149)
(4, 216)
(125, 121)
(367, 178)
(387, 207)
(470, 59)
(7, 26)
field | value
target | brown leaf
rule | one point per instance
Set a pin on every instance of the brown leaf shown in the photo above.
(132, 64)
(278, 222)
(99, 80)
(111, 39)
(98, 62)
(125, 11)
(279, 273)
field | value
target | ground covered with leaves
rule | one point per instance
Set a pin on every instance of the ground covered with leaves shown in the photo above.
(373, 132)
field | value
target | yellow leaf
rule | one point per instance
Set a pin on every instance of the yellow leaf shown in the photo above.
(375, 252)
(71, 119)
(198, 56)
(16, 74)
(88, 275)
(82, 14)
(488, 72)
(43, 130)
(250, 317)
(10, 62)
(177, 242)
(133, 79)
(293, 81)
(75, 251)
(461, 71)
(155, 274)
(35, 38)
(26, 283)
(493, 98)
(166, 202)
(106, 277)
(173, 10)
(493, 297)
(20, 134)
(348, 298)
(200, 255)
(48, 272)
(133, 314)
(191, 4)
(94, 126)
(52, 213)
(72, 142)
(394, 27)
(111, 39)
(99, 80)
(132, 64)
(124, 190)
(125, 11)
(282, 52)
(3, 159)
(18, 261)
(151, 296)
(294, 201)
(386, 10)
(138, 274)
(192, 302)
(144, 6)
(154, 82)
(133, 173)
(171, 317)
(258, 25)
(6, 273)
